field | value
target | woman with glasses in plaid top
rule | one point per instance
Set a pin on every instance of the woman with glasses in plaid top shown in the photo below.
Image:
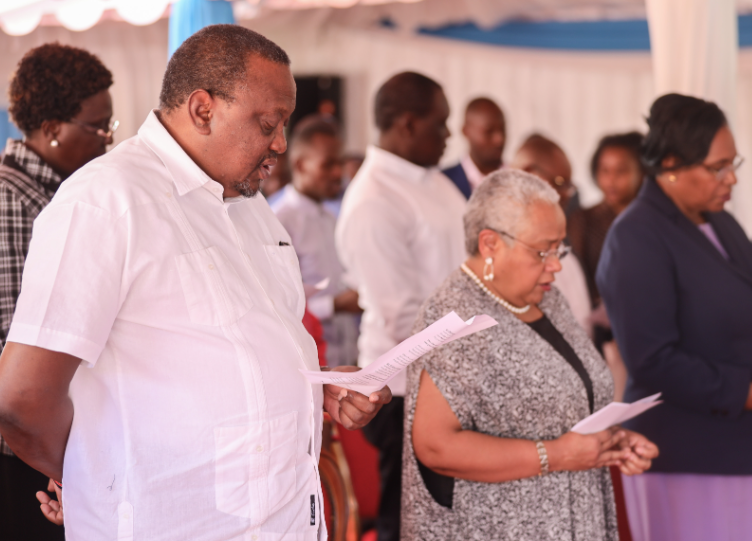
(60, 100)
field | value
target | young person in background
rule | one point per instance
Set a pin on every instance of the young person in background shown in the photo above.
(485, 129)
(315, 152)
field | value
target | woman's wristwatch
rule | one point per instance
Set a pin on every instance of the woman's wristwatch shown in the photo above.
(543, 456)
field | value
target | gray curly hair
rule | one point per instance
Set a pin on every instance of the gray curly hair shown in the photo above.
(501, 202)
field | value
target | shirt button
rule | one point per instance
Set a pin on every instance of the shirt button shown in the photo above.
(168, 194)
(259, 448)
(211, 267)
(254, 537)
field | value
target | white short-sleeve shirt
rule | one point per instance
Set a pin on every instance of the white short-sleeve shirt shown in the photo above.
(399, 236)
(191, 418)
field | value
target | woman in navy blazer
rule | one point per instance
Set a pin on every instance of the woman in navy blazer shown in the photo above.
(676, 278)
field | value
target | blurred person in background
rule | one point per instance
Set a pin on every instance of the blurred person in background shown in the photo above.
(489, 453)
(351, 162)
(485, 129)
(315, 153)
(545, 159)
(675, 275)
(280, 176)
(60, 100)
(399, 236)
(617, 171)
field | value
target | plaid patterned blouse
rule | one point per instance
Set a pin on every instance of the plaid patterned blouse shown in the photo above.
(27, 185)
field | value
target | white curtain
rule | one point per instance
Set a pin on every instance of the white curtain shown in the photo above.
(695, 51)
(574, 98)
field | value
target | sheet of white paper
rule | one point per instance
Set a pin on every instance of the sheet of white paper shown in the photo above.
(376, 375)
(615, 413)
(311, 289)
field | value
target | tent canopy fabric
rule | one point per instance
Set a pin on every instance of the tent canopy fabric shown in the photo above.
(18, 17)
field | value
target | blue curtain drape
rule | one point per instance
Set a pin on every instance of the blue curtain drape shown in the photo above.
(7, 129)
(189, 16)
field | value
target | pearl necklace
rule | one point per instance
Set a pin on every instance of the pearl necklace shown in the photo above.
(495, 297)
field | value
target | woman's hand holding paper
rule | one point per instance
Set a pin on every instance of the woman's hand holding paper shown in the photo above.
(641, 452)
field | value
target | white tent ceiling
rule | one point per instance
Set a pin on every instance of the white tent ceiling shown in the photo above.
(18, 17)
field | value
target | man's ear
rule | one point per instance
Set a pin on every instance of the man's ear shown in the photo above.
(405, 124)
(297, 162)
(201, 106)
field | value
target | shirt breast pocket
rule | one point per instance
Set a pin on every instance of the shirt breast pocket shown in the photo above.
(213, 291)
(255, 467)
(286, 268)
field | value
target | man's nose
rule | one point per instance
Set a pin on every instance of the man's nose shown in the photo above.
(279, 143)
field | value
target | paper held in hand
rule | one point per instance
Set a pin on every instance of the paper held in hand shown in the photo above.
(615, 413)
(377, 374)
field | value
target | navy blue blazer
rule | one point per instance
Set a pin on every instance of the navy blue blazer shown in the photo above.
(682, 316)
(457, 175)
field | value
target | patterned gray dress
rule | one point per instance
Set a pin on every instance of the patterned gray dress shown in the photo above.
(509, 382)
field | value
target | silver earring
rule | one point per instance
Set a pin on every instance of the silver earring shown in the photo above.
(54, 143)
(488, 274)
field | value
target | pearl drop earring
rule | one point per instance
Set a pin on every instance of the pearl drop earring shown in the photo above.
(488, 274)
(54, 143)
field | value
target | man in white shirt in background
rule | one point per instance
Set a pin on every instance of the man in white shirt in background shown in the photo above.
(315, 155)
(399, 236)
(544, 158)
(485, 129)
(153, 362)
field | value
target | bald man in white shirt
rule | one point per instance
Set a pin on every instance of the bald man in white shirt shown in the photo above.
(153, 362)
(544, 158)
(399, 236)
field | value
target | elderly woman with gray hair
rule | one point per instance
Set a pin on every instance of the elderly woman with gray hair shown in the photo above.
(488, 451)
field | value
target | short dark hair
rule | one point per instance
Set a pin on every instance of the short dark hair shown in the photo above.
(631, 142)
(309, 127)
(682, 127)
(405, 92)
(214, 59)
(481, 103)
(50, 83)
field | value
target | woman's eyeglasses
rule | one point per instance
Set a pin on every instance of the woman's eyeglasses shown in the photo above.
(560, 252)
(721, 172)
(98, 130)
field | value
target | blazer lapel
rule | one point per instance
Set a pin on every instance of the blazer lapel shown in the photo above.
(655, 196)
(735, 241)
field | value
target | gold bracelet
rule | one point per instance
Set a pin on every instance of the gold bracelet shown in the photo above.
(543, 456)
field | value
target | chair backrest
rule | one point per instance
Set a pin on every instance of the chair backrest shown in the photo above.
(335, 498)
(340, 505)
